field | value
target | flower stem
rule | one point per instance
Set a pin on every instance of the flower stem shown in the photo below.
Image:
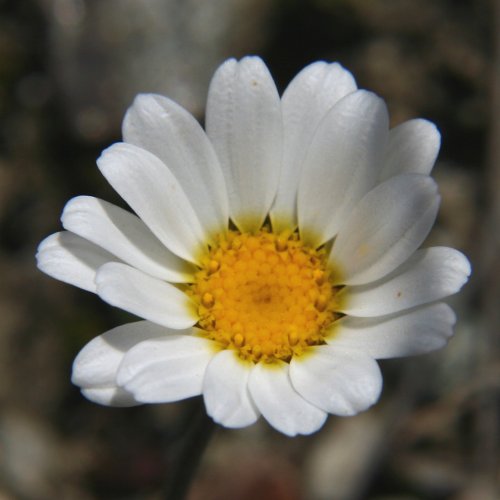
(199, 428)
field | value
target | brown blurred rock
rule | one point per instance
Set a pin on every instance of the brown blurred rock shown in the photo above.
(29, 456)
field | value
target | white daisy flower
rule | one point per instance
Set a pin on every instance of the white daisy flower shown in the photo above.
(273, 258)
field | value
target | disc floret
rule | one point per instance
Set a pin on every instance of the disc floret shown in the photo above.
(267, 296)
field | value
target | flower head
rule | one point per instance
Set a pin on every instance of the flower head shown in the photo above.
(273, 258)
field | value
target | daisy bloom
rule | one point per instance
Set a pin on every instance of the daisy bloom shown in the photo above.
(273, 257)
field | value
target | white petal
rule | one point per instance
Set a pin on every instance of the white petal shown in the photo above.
(385, 228)
(342, 164)
(338, 381)
(243, 121)
(69, 258)
(97, 363)
(110, 396)
(409, 333)
(280, 404)
(225, 391)
(431, 274)
(152, 191)
(124, 235)
(412, 148)
(167, 369)
(133, 291)
(305, 102)
(171, 133)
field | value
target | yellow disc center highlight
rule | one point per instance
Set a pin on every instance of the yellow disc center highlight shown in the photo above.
(266, 296)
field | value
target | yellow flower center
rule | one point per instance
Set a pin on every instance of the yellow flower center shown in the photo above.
(264, 295)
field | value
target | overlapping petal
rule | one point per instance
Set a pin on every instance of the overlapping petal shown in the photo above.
(243, 121)
(385, 228)
(429, 275)
(413, 147)
(280, 404)
(403, 334)
(125, 236)
(96, 366)
(97, 363)
(337, 380)
(166, 369)
(305, 102)
(225, 391)
(72, 259)
(156, 196)
(110, 396)
(167, 130)
(341, 165)
(131, 290)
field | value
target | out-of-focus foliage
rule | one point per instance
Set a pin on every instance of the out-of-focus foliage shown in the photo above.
(68, 70)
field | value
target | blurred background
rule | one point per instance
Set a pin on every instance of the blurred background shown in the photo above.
(68, 71)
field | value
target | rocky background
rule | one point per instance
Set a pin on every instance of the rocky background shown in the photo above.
(68, 71)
